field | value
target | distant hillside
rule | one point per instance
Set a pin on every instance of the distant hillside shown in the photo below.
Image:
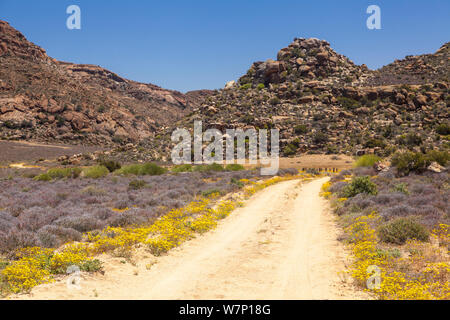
(323, 103)
(49, 100)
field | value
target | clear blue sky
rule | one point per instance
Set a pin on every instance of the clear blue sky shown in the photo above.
(201, 44)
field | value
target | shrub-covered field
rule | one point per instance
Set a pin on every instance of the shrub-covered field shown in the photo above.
(397, 222)
(48, 225)
(48, 213)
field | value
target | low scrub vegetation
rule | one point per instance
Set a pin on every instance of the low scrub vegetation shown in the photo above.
(359, 185)
(108, 213)
(398, 221)
(147, 169)
(417, 162)
(400, 230)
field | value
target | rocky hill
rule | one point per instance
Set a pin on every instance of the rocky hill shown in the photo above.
(421, 69)
(319, 100)
(323, 103)
(48, 100)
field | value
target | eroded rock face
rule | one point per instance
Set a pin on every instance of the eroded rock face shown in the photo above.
(12, 42)
(52, 100)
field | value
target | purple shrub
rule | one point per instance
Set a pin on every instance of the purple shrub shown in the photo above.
(33, 219)
(6, 221)
(384, 199)
(15, 239)
(83, 223)
(102, 214)
(51, 236)
(337, 187)
(401, 210)
(422, 189)
(126, 219)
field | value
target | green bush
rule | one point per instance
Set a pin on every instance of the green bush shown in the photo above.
(274, 101)
(245, 86)
(411, 140)
(359, 185)
(300, 129)
(42, 177)
(91, 266)
(320, 137)
(407, 162)
(95, 172)
(234, 167)
(402, 229)
(111, 165)
(182, 168)
(260, 86)
(208, 167)
(443, 129)
(348, 103)
(441, 157)
(61, 173)
(150, 169)
(136, 184)
(374, 143)
(367, 160)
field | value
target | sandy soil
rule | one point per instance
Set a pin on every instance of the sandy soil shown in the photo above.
(280, 245)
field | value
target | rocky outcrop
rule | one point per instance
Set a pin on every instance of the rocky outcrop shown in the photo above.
(323, 103)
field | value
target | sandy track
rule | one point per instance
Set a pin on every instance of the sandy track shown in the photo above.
(280, 245)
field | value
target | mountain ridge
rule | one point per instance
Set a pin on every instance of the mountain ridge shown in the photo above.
(320, 101)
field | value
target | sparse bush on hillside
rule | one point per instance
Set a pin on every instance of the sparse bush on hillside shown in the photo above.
(289, 150)
(275, 101)
(348, 103)
(300, 129)
(320, 137)
(245, 86)
(402, 229)
(441, 157)
(443, 129)
(411, 139)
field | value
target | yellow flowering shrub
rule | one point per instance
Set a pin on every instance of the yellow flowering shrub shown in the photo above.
(426, 281)
(29, 270)
(72, 254)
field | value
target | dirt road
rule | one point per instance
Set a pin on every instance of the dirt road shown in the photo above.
(280, 245)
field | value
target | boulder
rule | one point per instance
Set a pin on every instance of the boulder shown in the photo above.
(436, 167)
(230, 84)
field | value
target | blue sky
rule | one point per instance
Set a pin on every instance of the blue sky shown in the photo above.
(201, 44)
